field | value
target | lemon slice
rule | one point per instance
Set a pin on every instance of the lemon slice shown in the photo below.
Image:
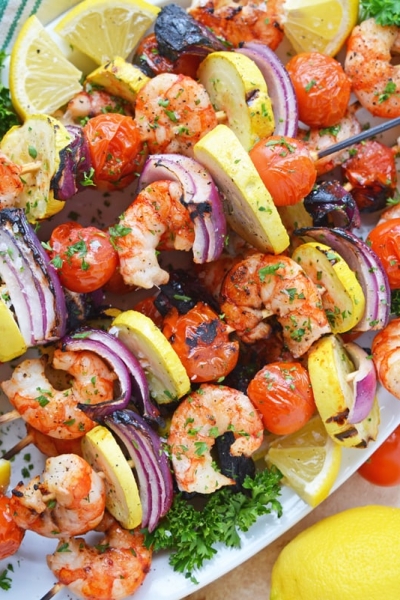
(119, 78)
(41, 79)
(249, 207)
(37, 142)
(102, 452)
(308, 459)
(331, 370)
(103, 30)
(237, 87)
(5, 475)
(342, 296)
(319, 25)
(167, 377)
(12, 343)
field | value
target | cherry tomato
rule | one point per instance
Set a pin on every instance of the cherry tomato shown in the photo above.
(116, 150)
(84, 256)
(148, 308)
(383, 466)
(202, 342)
(286, 168)
(371, 170)
(11, 535)
(384, 240)
(147, 56)
(282, 393)
(322, 88)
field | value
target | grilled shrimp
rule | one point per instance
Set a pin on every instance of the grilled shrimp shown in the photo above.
(321, 139)
(241, 20)
(375, 80)
(156, 220)
(386, 356)
(70, 499)
(206, 414)
(90, 104)
(111, 570)
(263, 285)
(11, 184)
(173, 112)
(55, 412)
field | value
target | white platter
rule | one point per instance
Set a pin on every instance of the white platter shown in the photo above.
(31, 577)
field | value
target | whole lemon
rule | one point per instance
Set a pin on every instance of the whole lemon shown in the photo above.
(353, 555)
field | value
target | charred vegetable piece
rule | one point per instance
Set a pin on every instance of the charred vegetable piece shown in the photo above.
(182, 291)
(178, 32)
(330, 205)
(235, 467)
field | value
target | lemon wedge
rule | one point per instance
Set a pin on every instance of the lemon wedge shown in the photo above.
(331, 370)
(12, 343)
(342, 296)
(102, 452)
(36, 145)
(319, 25)
(249, 208)
(237, 87)
(41, 79)
(103, 30)
(308, 459)
(166, 375)
(119, 78)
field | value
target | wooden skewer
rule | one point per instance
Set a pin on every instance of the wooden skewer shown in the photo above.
(31, 167)
(28, 439)
(10, 416)
(57, 587)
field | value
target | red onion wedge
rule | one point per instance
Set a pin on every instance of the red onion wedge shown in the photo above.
(74, 162)
(200, 196)
(97, 412)
(151, 464)
(279, 84)
(368, 268)
(364, 382)
(123, 361)
(30, 280)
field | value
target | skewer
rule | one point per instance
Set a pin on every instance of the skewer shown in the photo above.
(30, 167)
(10, 416)
(28, 439)
(363, 135)
(57, 587)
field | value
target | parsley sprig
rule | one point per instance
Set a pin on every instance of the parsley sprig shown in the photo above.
(191, 534)
(385, 12)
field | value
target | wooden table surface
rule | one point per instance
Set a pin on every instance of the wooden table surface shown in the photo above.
(251, 580)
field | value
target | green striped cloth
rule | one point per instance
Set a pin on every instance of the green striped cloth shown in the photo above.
(13, 13)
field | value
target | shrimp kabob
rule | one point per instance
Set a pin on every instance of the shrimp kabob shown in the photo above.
(281, 267)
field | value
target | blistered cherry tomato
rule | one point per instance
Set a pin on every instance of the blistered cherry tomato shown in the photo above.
(83, 256)
(202, 342)
(116, 150)
(322, 88)
(371, 170)
(286, 168)
(148, 57)
(11, 535)
(282, 393)
(384, 240)
(383, 466)
(148, 308)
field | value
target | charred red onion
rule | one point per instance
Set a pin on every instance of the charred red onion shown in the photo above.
(151, 464)
(363, 381)
(331, 205)
(30, 280)
(368, 268)
(280, 87)
(200, 196)
(126, 366)
(74, 162)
